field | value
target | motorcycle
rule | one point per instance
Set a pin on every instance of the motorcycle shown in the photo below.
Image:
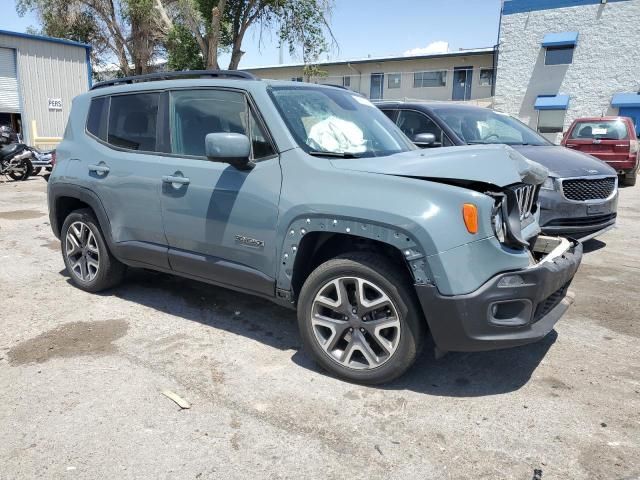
(15, 158)
(15, 161)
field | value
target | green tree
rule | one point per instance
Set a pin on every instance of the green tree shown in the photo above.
(125, 30)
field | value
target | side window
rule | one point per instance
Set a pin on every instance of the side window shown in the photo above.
(412, 123)
(97, 118)
(132, 121)
(389, 113)
(196, 113)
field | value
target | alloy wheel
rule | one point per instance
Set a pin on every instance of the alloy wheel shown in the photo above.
(81, 249)
(355, 322)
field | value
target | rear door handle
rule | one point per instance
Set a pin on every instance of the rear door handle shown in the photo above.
(99, 169)
(173, 179)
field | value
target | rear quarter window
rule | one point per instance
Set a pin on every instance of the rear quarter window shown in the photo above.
(97, 118)
(603, 130)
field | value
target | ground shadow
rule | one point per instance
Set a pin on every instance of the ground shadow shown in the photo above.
(593, 245)
(455, 375)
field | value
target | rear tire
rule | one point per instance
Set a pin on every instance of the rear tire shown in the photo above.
(89, 262)
(27, 169)
(376, 334)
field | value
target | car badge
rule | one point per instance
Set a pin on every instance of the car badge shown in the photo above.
(597, 141)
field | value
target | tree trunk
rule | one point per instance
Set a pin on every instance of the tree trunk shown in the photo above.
(214, 37)
(236, 55)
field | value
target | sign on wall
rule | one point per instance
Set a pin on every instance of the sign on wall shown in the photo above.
(55, 104)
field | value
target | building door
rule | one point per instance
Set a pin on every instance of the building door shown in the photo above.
(462, 78)
(9, 98)
(377, 81)
(633, 113)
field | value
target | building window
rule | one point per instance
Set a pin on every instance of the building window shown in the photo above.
(394, 80)
(559, 55)
(346, 81)
(430, 79)
(551, 121)
(486, 77)
(296, 79)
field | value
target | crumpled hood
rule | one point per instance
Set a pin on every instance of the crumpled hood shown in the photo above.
(564, 162)
(498, 165)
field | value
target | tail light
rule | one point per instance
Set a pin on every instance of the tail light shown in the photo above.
(633, 146)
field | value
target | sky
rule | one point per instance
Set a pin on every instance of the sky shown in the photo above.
(368, 28)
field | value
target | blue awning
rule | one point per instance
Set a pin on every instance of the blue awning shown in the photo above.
(552, 102)
(626, 100)
(562, 39)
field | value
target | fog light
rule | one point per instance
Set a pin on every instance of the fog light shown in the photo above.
(511, 281)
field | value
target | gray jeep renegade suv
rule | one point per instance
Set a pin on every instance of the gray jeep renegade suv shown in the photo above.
(310, 196)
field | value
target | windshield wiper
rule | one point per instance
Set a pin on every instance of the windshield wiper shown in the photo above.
(334, 154)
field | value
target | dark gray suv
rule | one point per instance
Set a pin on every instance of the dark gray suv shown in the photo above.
(311, 197)
(579, 198)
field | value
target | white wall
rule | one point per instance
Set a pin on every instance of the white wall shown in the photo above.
(605, 61)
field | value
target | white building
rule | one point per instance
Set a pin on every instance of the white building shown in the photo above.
(462, 75)
(39, 76)
(563, 59)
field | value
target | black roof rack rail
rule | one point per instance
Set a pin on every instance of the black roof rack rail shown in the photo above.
(154, 77)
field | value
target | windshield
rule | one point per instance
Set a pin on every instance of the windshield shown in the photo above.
(334, 122)
(482, 126)
(603, 130)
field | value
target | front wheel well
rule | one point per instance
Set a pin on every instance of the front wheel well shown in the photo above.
(316, 248)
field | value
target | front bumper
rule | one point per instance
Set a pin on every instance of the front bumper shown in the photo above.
(511, 309)
(562, 217)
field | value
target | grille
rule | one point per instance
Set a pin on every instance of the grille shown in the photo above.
(581, 221)
(550, 302)
(581, 189)
(526, 197)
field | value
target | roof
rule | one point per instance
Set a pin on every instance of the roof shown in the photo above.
(42, 38)
(426, 104)
(459, 53)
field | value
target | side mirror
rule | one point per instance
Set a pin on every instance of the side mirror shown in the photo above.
(231, 148)
(425, 140)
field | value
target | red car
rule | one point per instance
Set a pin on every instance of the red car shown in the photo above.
(611, 139)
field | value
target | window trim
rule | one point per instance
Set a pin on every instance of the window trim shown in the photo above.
(389, 75)
(165, 110)
(550, 110)
(491, 81)
(400, 109)
(556, 48)
(445, 77)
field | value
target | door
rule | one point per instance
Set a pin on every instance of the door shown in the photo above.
(634, 114)
(462, 79)
(220, 222)
(9, 98)
(122, 166)
(377, 82)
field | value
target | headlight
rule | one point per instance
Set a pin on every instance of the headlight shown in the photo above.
(549, 184)
(498, 225)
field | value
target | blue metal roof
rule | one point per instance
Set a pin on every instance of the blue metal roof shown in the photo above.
(552, 102)
(561, 39)
(626, 100)
(44, 39)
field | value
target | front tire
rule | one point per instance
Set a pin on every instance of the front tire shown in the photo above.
(629, 180)
(359, 318)
(89, 262)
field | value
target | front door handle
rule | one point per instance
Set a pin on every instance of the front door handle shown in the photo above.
(101, 169)
(175, 180)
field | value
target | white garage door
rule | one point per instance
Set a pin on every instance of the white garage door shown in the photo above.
(9, 99)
